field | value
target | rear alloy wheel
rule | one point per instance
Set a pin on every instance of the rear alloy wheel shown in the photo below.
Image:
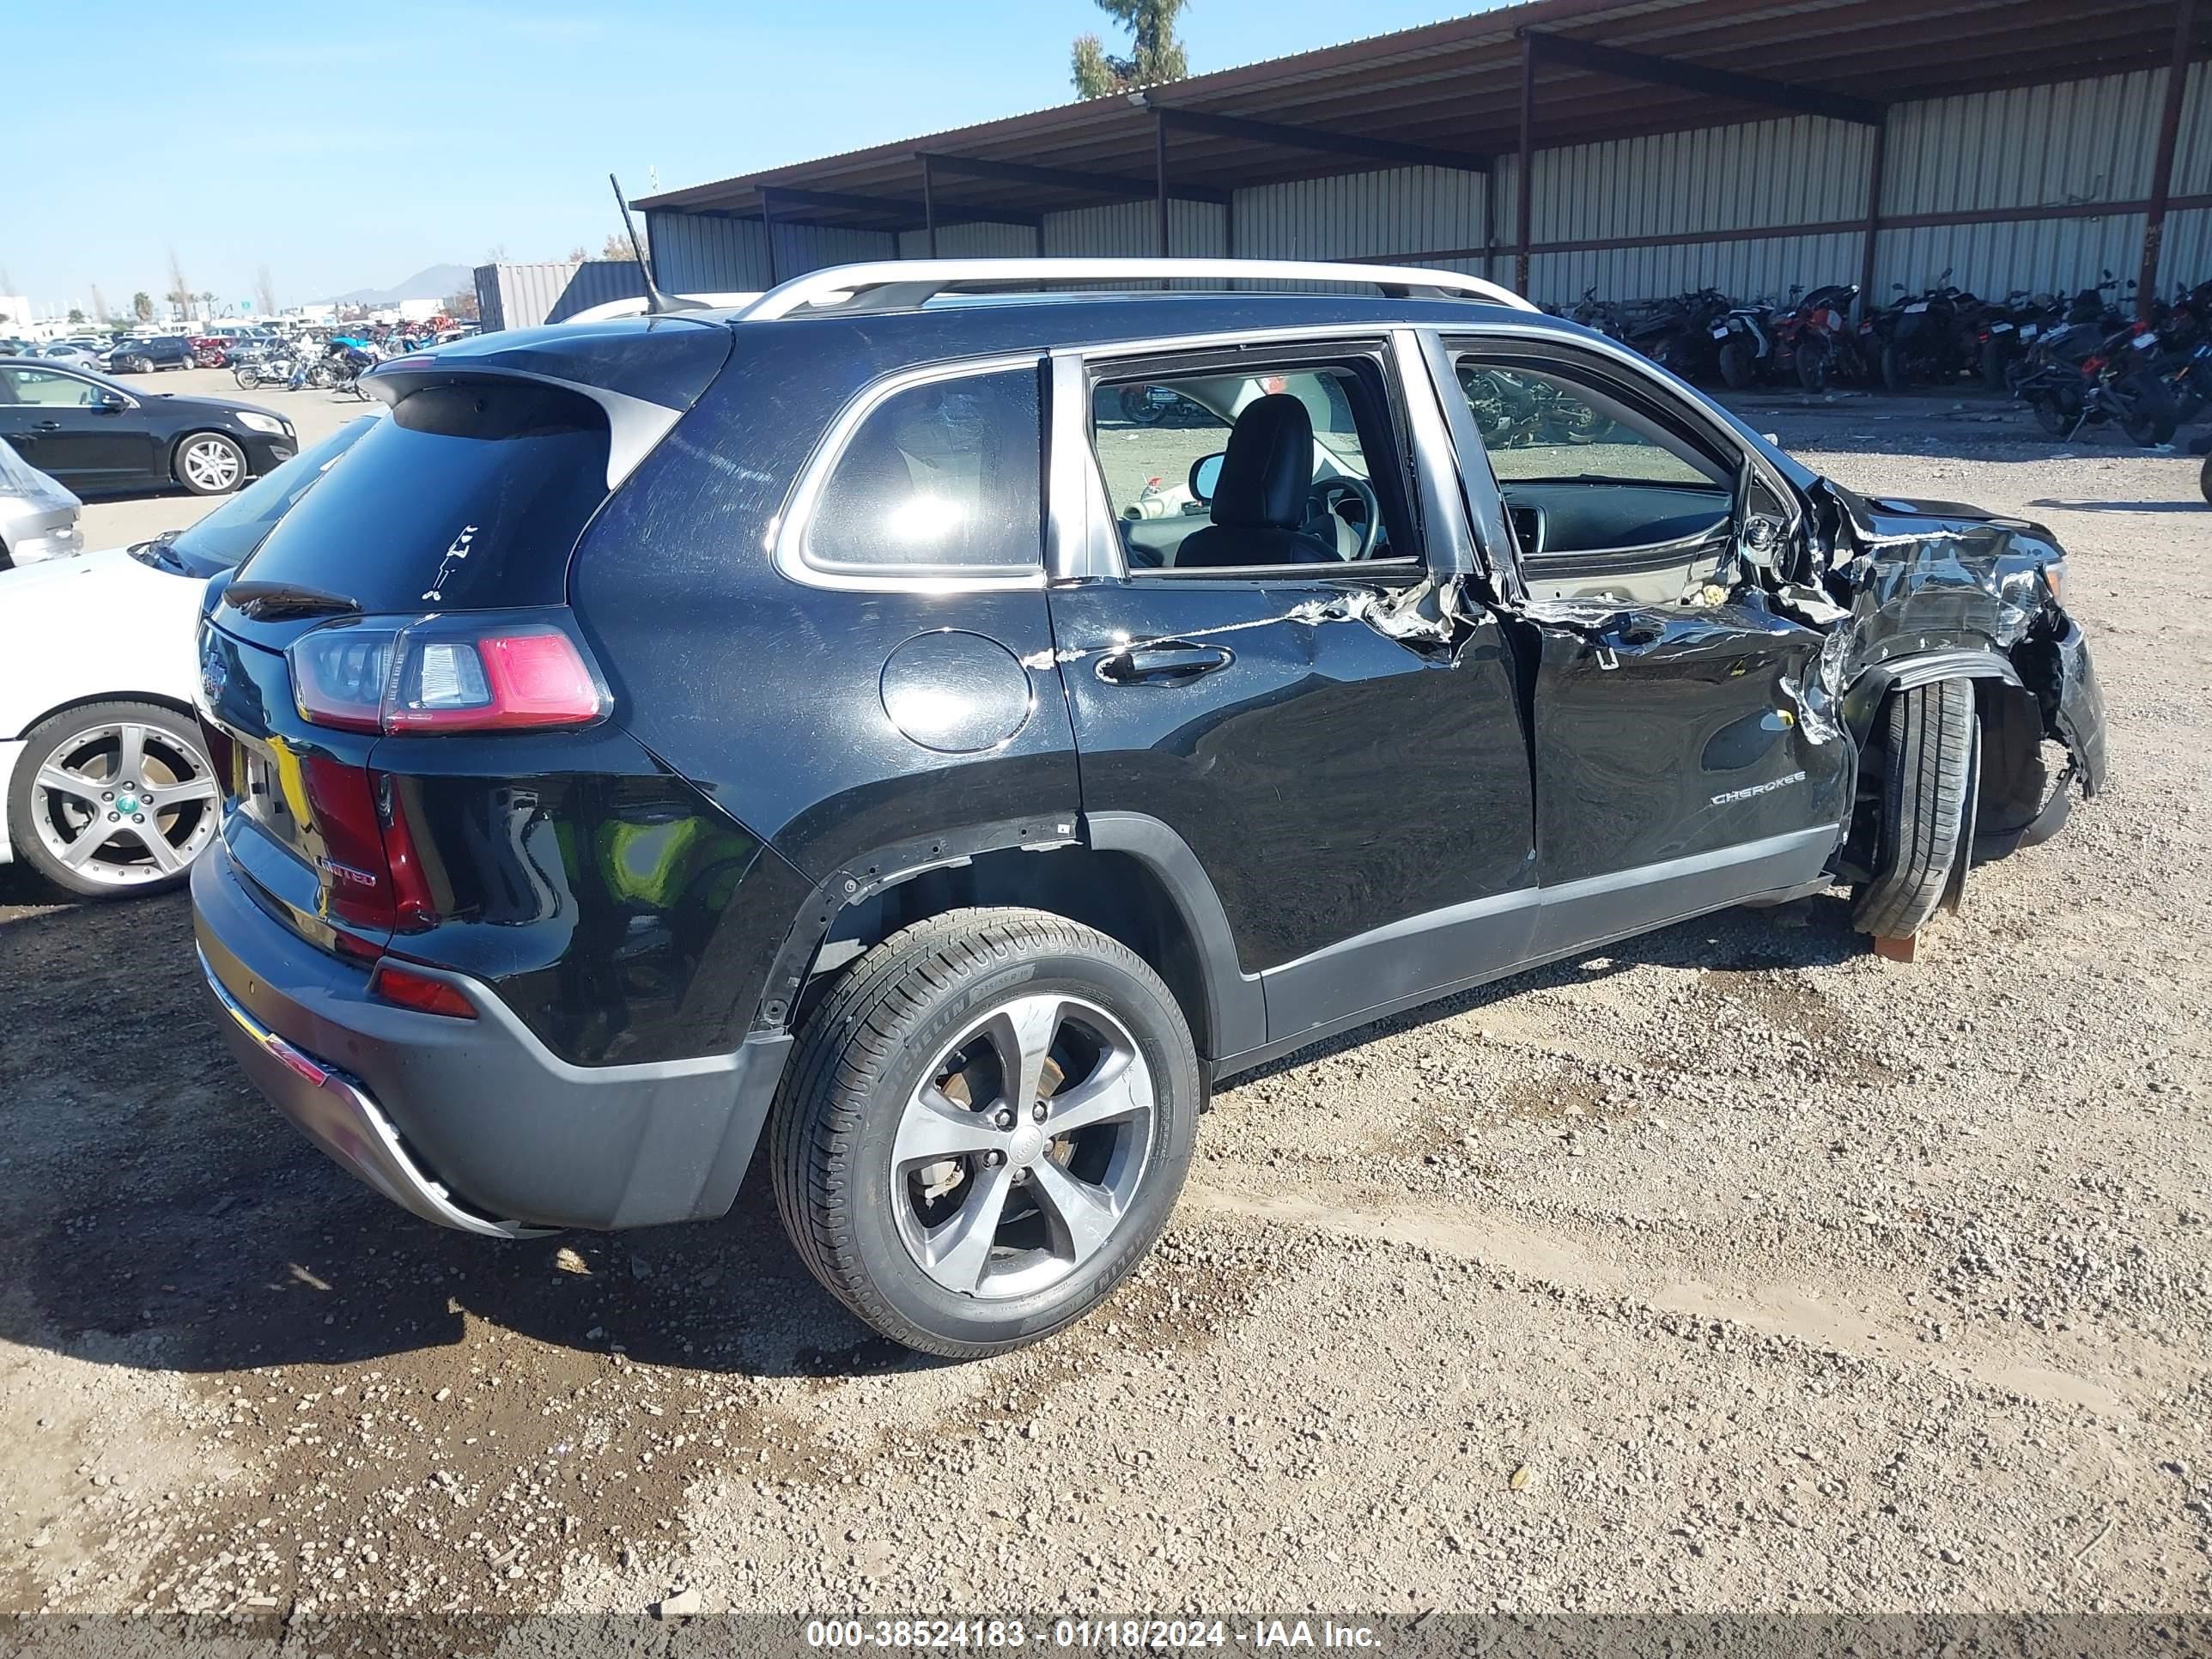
(209, 463)
(1737, 363)
(112, 799)
(1930, 760)
(984, 1128)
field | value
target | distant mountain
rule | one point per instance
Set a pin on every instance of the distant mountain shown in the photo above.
(434, 283)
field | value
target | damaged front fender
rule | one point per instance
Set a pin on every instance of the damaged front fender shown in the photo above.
(1933, 590)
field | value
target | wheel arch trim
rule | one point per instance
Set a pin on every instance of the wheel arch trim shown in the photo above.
(1235, 1008)
(1864, 700)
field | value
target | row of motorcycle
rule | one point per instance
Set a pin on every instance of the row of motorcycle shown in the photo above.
(2077, 361)
(338, 367)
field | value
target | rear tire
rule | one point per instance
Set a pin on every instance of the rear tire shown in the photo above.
(1813, 368)
(79, 750)
(2204, 480)
(949, 1252)
(1737, 368)
(1929, 758)
(1895, 376)
(1996, 360)
(2147, 411)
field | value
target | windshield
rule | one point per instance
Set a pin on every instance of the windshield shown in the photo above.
(234, 530)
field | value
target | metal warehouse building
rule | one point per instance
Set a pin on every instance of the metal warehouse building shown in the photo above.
(1640, 147)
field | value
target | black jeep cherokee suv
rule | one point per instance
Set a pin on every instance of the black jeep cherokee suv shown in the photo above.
(838, 717)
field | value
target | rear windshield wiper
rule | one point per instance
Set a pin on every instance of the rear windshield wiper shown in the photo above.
(264, 601)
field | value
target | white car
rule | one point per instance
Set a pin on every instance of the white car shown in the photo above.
(103, 771)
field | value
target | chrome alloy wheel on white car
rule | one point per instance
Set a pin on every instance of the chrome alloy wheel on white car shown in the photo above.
(117, 804)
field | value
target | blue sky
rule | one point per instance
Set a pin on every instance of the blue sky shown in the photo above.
(350, 146)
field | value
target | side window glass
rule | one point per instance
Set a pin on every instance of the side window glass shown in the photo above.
(35, 387)
(944, 476)
(1538, 427)
(1228, 468)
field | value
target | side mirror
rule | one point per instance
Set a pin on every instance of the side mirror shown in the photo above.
(113, 400)
(1205, 474)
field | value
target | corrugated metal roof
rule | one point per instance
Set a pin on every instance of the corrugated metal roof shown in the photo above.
(1454, 86)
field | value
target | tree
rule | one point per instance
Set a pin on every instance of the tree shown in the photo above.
(264, 292)
(1156, 55)
(577, 256)
(180, 291)
(141, 306)
(77, 315)
(618, 247)
(461, 307)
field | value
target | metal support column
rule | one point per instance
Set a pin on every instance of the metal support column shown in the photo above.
(2161, 181)
(1868, 303)
(1160, 173)
(1489, 217)
(1522, 238)
(928, 206)
(767, 235)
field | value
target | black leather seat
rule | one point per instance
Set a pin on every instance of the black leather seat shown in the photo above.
(1260, 500)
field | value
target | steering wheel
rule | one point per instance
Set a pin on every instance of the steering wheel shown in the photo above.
(1324, 499)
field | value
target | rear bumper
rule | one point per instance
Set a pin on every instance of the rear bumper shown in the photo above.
(472, 1123)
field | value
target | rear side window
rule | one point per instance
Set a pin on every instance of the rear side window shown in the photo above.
(469, 496)
(944, 477)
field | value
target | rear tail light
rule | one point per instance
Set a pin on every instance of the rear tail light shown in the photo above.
(474, 671)
(425, 995)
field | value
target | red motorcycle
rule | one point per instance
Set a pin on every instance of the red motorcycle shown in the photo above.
(207, 351)
(1819, 339)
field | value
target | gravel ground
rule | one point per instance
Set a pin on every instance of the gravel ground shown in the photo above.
(1730, 1268)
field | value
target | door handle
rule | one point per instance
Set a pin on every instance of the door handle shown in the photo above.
(1634, 632)
(1165, 662)
(50, 426)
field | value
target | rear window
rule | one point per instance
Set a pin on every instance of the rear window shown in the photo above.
(468, 497)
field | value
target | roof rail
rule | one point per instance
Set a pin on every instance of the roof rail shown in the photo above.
(901, 284)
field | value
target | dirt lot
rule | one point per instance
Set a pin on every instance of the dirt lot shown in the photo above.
(1728, 1268)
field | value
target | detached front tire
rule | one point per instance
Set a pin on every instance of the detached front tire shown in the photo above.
(1930, 758)
(984, 1128)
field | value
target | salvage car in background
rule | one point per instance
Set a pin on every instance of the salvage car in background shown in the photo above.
(925, 818)
(93, 434)
(104, 773)
(38, 516)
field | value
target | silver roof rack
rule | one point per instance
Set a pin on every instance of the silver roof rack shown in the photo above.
(901, 284)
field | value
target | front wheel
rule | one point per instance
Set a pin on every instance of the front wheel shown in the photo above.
(1930, 759)
(209, 463)
(112, 799)
(1813, 368)
(984, 1128)
(247, 376)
